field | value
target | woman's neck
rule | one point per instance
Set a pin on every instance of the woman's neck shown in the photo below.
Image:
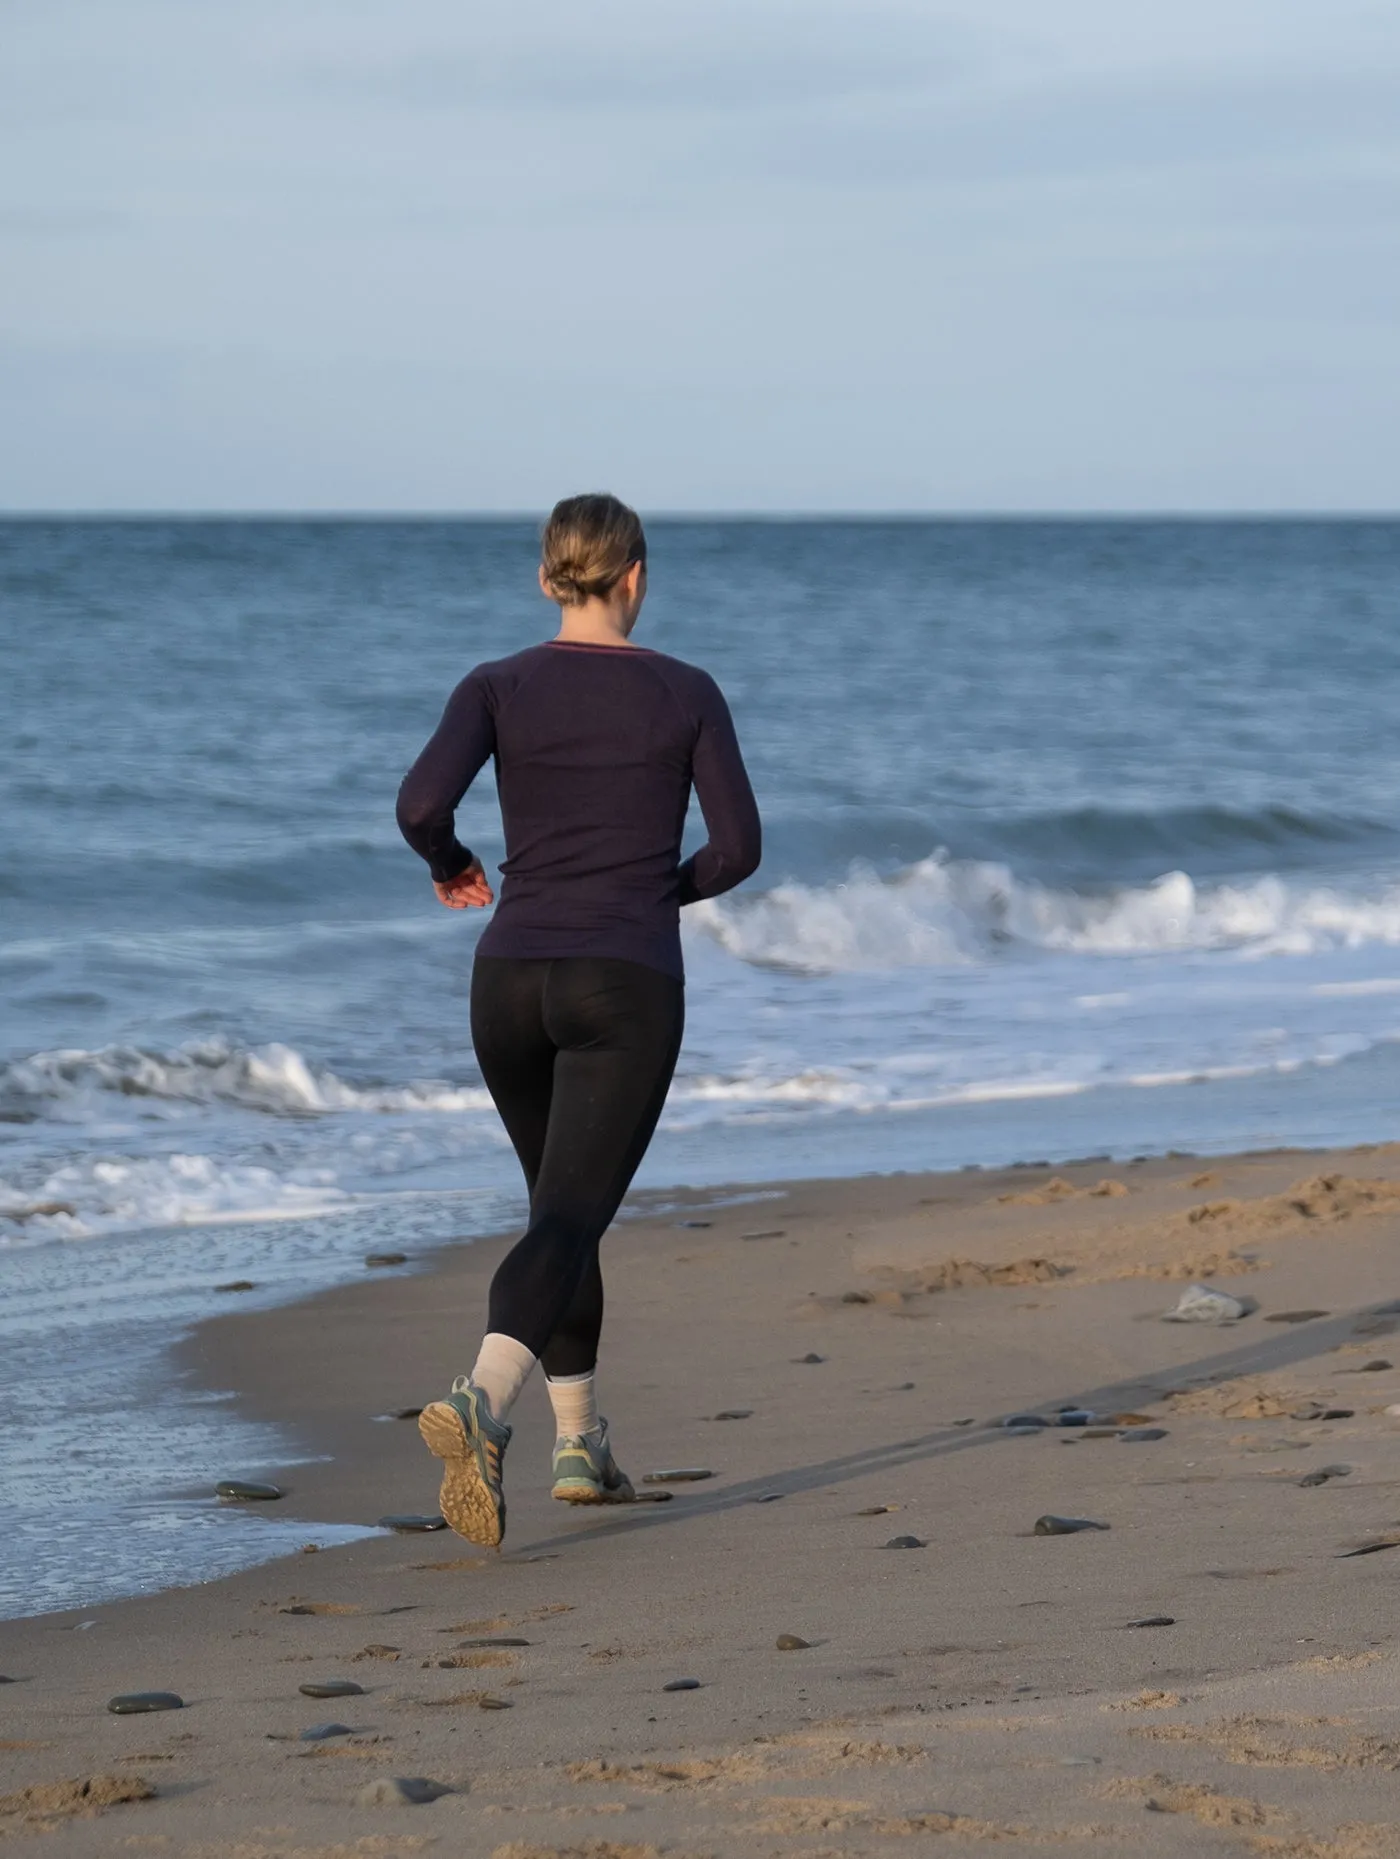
(593, 622)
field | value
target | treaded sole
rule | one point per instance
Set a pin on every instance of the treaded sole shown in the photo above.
(592, 1494)
(465, 1499)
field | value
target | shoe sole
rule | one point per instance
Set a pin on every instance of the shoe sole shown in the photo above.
(465, 1500)
(593, 1494)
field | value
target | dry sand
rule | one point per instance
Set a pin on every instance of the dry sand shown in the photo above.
(986, 1687)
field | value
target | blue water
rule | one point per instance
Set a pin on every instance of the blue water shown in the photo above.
(1081, 837)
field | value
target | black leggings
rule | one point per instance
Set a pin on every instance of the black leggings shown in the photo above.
(578, 1054)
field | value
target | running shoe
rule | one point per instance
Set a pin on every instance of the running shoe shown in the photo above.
(471, 1442)
(585, 1472)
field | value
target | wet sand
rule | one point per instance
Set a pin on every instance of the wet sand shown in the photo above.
(983, 1684)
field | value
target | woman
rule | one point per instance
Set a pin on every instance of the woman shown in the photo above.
(577, 1002)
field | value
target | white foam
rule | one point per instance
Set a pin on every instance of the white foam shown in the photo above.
(943, 912)
(274, 1078)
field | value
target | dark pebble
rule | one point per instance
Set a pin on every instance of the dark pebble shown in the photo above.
(678, 1475)
(331, 1688)
(734, 1413)
(413, 1523)
(1025, 1420)
(386, 1258)
(1390, 1541)
(400, 1791)
(1323, 1475)
(321, 1732)
(789, 1642)
(133, 1703)
(239, 1488)
(489, 1702)
(465, 1645)
(876, 1510)
(906, 1542)
(1136, 1435)
(7, 1681)
(811, 1356)
(1295, 1316)
(695, 1223)
(1065, 1526)
(1375, 1368)
(237, 1284)
(1075, 1417)
(857, 1297)
(1154, 1620)
(682, 1684)
(768, 1232)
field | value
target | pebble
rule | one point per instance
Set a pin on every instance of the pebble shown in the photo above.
(678, 1475)
(386, 1258)
(490, 1702)
(770, 1232)
(133, 1703)
(1136, 1435)
(1154, 1620)
(400, 1791)
(1075, 1417)
(240, 1488)
(734, 1413)
(1065, 1526)
(769, 1497)
(811, 1356)
(876, 1510)
(857, 1297)
(331, 1688)
(1375, 1368)
(1200, 1304)
(1295, 1316)
(1316, 1411)
(906, 1542)
(321, 1732)
(1323, 1475)
(237, 1284)
(413, 1523)
(682, 1684)
(7, 1681)
(790, 1642)
(465, 1645)
(695, 1223)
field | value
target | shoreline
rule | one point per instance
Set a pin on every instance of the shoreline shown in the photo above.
(934, 1306)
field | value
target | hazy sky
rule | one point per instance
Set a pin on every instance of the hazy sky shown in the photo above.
(738, 254)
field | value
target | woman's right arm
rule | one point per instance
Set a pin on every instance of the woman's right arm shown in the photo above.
(430, 792)
(735, 843)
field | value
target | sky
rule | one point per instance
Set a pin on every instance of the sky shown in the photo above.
(734, 255)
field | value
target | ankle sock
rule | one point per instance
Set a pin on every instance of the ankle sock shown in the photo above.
(574, 1399)
(501, 1371)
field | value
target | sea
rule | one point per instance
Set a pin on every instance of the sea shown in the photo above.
(1082, 838)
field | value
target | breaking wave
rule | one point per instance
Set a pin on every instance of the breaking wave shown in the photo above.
(943, 912)
(274, 1079)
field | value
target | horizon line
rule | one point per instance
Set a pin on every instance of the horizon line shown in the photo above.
(778, 514)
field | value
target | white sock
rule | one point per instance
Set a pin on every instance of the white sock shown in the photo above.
(501, 1371)
(574, 1399)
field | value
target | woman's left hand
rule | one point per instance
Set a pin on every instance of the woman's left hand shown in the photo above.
(468, 890)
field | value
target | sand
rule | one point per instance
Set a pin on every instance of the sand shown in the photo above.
(985, 1688)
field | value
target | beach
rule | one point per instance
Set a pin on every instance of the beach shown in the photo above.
(1212, 1671)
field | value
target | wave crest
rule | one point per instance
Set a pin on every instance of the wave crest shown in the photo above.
(275, 1079)
(943, 912)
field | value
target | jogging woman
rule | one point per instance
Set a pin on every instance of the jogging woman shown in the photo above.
(578, 994)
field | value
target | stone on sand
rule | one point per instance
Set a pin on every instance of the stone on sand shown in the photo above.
(136, 1703)
(401, 1791)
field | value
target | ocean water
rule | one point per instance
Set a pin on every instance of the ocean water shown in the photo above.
(1081, 838)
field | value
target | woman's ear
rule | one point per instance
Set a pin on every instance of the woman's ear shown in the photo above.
(544, 585)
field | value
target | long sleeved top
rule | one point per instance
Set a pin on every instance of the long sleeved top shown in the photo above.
(596, 749)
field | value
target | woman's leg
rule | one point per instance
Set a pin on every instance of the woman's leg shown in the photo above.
(616, 1029)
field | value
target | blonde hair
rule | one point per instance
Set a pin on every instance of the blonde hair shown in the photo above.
(587, 546)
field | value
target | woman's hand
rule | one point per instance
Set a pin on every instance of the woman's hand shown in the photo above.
(467, 890)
